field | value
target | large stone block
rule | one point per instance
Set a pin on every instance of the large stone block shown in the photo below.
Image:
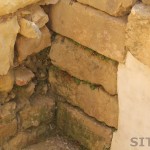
(112, 7)
(26, 46)
(90, 27)
(82, 128)
(8, 32)
(138, 33)
(84, 64)
(40, 111)
(95, 102)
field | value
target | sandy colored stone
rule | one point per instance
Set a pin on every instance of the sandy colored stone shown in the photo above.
(40, 111)
(7, 130)
(95, 102)
(138, 33)
(82, 63)
(7, 112)
(112, 7)
(29, 29)
(23, 76)
(9, 6)
(38, 16)
(26, 47)
(7, 82)
(23, 139)
(76, 124)
(147, 2)
(134, 95)
(8, 32)
(90, 27)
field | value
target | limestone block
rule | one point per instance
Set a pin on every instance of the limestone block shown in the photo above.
(138, 33)
(7, 82)
(94, 101)
(23, 76)
(134, 102)
(8, 32)
(29, 29)
(40, 111)
(26, 46)
(112, 7)
(90, 27)
(9, 6)
(82, 128)
(82, 63)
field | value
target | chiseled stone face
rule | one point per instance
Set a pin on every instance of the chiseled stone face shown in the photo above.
(112, 7)
(82, 63)
(94, 101)
(138, 33)
(91, 28)
(8, 31)
(82, 128)
(11, 6)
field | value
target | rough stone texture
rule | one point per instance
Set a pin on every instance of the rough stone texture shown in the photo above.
(9, 6)
(84, 64)
(134, 95)
(40, 111)
(23, 76)
(112, 7)
(7, 82)
(26, 47)
(147, 2)
(95, 102)
(76, 124)
(23, 139)
(90, 27)
(29, 29)
(8, 123)
(38, 16)
(138, 33)
(8, 32)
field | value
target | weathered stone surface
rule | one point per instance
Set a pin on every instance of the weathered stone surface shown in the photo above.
(7, 112)
(95, 102)
(83, 64)
(147, 2)
(112, 7)
(26, 47)
(134, 95)
(40, 111)
(7, 82)
(8, 32)
(9, 6)
(23, 76)
(7, 130)
(24, 139)
(8, 123)
(38, 16)
(90, 27)
(29, 29)
(138, 33)
(82, 128)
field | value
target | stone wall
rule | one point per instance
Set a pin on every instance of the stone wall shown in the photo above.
(82, 66)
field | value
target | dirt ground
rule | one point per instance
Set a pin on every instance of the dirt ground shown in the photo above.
(56, 143)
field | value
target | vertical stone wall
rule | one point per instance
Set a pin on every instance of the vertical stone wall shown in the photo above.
(83, 66)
